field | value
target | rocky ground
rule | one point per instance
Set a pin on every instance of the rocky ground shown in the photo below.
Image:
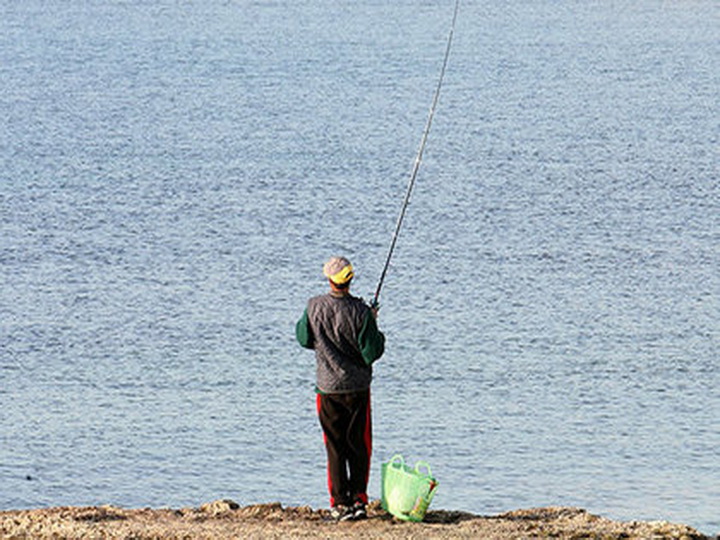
(225, 519)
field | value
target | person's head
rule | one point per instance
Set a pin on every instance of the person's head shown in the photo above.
(339, 273)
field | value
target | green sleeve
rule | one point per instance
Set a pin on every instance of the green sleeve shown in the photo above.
(371, 340)
(303, 332)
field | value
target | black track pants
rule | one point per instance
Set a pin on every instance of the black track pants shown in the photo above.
(347, 430)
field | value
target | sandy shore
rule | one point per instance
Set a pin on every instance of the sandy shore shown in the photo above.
(225, 519)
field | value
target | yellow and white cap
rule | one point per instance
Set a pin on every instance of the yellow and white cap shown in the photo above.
(338, 270)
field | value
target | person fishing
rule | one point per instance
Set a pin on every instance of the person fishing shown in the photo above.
(343, 331)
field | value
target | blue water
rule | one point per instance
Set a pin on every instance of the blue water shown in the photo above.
(174, 174)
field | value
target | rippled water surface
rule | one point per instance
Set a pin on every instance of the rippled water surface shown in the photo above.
(174, 174)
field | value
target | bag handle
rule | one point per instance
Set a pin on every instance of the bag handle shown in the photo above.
(420, 464)
(397, 457)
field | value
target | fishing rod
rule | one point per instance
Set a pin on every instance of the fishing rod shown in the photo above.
(418, 159)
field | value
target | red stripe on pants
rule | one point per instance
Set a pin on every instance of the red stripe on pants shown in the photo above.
(347, 433)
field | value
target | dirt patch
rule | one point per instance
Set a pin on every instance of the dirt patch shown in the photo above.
(225, 519)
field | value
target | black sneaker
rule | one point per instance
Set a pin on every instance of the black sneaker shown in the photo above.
(342, 513)
(359, 511)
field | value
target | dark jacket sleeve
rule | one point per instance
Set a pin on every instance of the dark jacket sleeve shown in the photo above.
(371, 340)
(303, 333)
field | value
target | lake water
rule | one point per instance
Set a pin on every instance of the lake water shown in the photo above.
(174, 174)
